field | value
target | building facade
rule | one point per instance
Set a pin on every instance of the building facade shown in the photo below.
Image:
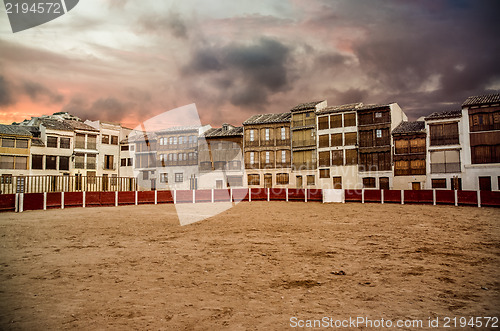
(445, 150)
(481, 124)
(337, 145)
(409, 155)
(375, 124)
(267, 150)
(304, 152)
(220, 157)
(15, 145)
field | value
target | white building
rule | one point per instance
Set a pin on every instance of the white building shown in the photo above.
(446, 148)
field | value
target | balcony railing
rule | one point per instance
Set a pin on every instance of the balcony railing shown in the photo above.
(307, 122)
(91, 165)
(444, 140)
(282, 142)
(437, 168)
(303, 143)
(254, 143)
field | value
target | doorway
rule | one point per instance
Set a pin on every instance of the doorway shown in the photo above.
(268, 180)
(485, 183)
(298, 181)
(415, 186)
(383, 183)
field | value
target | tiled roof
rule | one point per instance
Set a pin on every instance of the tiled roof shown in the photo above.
(15, 130)
(54, 124)
(37, 142)
(409, 127)
(268, 118)
(219, 132)
(482, 100)
(77, 125)
(341, 108)
(307, 105)
(179, 129)
(444, 114)
(373, 106)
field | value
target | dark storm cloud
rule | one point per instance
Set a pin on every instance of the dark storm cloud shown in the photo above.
(172, 22)
(6, 97)
(455, 44)
(246, 74)
(37, 91)
(106, 109)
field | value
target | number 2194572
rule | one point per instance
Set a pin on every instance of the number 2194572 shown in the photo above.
(474, 322)
(36, 8)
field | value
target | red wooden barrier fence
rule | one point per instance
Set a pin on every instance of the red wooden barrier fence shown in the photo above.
(36, 201)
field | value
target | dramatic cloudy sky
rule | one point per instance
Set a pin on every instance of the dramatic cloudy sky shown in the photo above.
(126, 61)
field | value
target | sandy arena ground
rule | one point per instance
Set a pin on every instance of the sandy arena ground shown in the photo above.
(252, 267)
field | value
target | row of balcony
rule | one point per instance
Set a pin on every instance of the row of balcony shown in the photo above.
(306, 122)
(277, 142)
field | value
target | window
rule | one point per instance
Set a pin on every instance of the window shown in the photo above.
(266, 132)
(378, 132)
(174, 140)
(401, 146)
(52, 142)
(80, 141)
(323, 123)
(378, 115)
(179, 177)
(337, 139)
(369, 182)
(252, 158)
(445, 161)
(36, 161)
(63, 162)
(50, 162)
(444, 134)
(21, 143)
(79, 161)
(164, 178)
(283, 156)
(484, 121)
(336, 121)
(324, 173)
(108, 162)
(324, 159)
(282, 179)
(129, 162)
(324, 140)
(438, 183)
(6, 179)
(350, 119)
(337, 158)
(350, 138)
(351, 156)
(91, 160)
(8, 142)
(283, 133)
(337, 182)
(268, 154)
(233, 181)
(64, 143)
(252, 137)
(114, 140)
(145, 175)
(123, 162)
(485, 154)
(310, 179)
(91, 142)
(21, 162)
(105, 139)
(124, 147)
(254, 179)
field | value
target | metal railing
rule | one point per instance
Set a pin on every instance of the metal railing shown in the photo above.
(61, 183)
